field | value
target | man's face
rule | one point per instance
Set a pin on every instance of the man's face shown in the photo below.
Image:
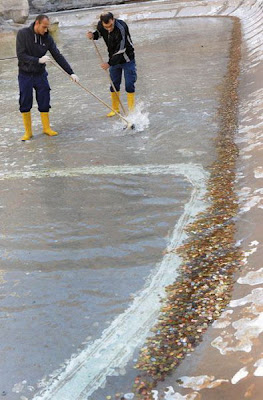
(41, 27)
(109, 26)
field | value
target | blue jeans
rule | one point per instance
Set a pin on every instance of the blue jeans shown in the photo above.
(130, 76)
(26, 85)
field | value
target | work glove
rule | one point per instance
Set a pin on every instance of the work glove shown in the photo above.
(44, 59)
(75, 78)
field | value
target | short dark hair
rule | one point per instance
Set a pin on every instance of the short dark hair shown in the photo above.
(106, 16)
(40, 18)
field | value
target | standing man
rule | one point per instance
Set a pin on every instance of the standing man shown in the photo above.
(116, 35)
(31, 46)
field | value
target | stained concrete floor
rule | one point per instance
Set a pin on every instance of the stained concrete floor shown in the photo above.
(78, 249)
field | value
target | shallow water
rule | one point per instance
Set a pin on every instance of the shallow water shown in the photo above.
(75, 250)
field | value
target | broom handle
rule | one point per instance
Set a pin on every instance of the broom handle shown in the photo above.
(107, 72)
(91, 93)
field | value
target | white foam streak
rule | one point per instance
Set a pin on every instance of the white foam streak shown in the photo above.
(259, 369)
(256, 297)
(201, 382)
(171, 395)
(252, 278)
(88, 370)
(241, 374)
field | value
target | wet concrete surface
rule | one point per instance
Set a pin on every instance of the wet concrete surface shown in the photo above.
(75, 250)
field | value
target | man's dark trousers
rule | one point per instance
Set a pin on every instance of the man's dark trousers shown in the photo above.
(28, 82)
(130, 76)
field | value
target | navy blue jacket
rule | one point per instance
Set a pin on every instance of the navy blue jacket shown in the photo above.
(31, 46)
(118, 41)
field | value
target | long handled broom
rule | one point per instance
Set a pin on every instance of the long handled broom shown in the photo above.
(129, 124)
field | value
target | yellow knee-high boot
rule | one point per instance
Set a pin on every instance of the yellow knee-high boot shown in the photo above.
(28, 126)
(46, 125)
(131, 101)
(115, 103)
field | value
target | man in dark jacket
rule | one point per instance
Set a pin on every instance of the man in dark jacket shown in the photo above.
(31, 45)
(116, 35)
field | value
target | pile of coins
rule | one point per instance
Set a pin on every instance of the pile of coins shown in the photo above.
(210, 256)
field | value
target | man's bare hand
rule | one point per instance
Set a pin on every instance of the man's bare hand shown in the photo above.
(105, 66)
(89, 35)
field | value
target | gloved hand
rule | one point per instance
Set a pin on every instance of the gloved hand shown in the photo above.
(75, 78)
(44, 59)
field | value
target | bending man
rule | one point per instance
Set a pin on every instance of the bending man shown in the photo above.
(116, 35)
(31, 45)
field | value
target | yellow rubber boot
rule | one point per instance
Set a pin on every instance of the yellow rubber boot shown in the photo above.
(46, 125)
(28, 126)
(131, 101)
(115, 103)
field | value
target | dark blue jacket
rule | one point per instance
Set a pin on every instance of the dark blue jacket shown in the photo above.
(30, 47)
(118, 41)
